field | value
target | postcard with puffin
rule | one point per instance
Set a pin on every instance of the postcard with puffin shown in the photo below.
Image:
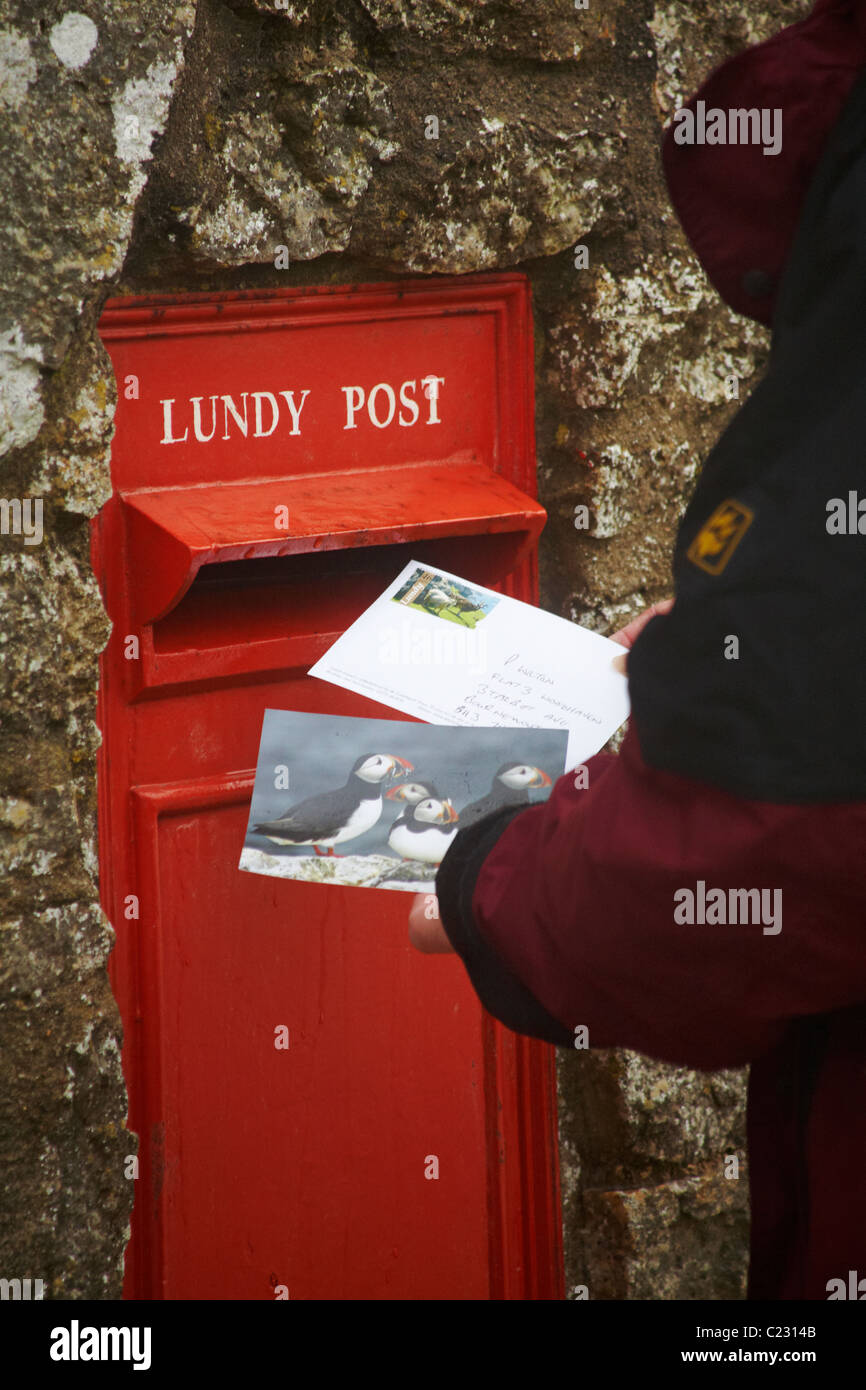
(375, 803)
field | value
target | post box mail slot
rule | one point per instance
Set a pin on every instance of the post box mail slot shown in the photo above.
(293, 1068)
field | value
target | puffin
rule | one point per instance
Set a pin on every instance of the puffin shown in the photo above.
(425, 829)
(330, 818)
(510, 787)
(416, 790)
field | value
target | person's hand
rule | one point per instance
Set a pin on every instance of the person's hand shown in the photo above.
(628, 634)
(426, 932)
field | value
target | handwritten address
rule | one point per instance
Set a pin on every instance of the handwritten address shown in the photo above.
(502, 699)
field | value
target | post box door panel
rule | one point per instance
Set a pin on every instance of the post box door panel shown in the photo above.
(305, 1166)
(322, 1112)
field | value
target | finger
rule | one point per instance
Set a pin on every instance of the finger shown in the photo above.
(426, 932)
(428, 937)
(627, 635)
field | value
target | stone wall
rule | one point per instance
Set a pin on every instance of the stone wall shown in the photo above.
(172, 145)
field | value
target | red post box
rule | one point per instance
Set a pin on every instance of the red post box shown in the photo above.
(293, 1067)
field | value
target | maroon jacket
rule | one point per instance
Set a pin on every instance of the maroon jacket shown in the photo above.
(703, 898)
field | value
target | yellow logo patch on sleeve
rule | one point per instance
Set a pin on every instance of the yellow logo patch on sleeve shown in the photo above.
(719, 537)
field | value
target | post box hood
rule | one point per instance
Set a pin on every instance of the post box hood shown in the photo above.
(756, 680)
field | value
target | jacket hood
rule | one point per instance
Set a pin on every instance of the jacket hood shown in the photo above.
(756, 680)
(738, 206)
